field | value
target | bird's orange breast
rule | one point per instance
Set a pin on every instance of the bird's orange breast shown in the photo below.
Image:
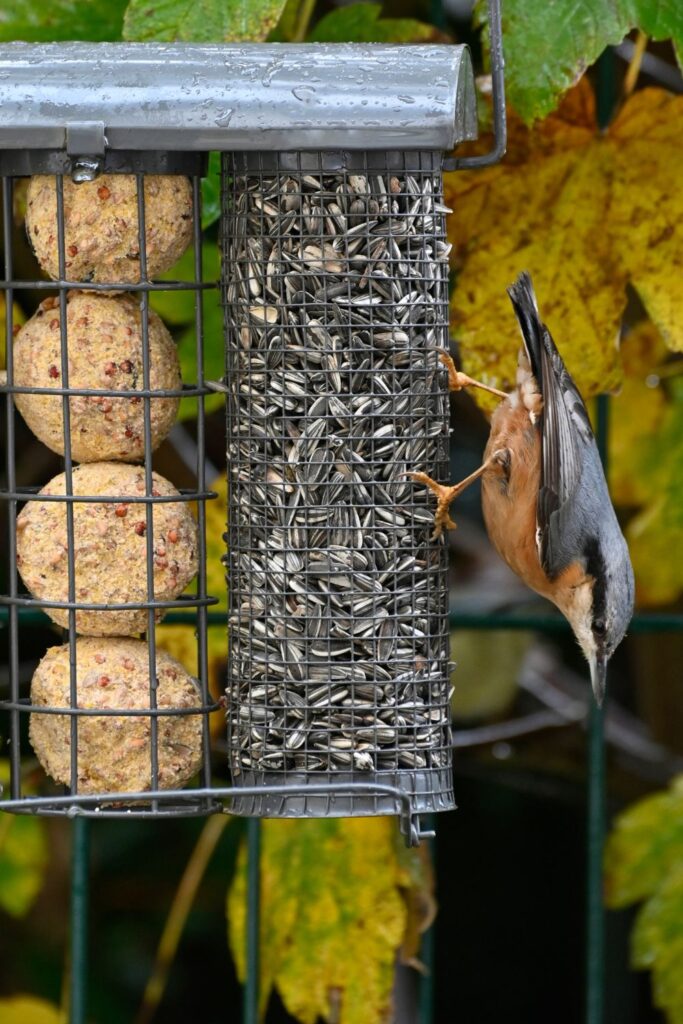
(509, 499)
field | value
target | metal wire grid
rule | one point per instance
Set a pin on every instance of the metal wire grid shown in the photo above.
(335, 291)
(184, 802)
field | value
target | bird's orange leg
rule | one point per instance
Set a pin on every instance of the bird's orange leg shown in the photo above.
(446, 493)
(457, 380)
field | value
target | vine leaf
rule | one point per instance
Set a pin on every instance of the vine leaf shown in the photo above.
(644, 861)
(548, 46)
(288, 26)
(636, 416)
(201, 21)
(658, 529)
(28, 1010)
(181, 640)
(485, 679)
(211, 191)
(18, 318)
(361, 23)
(587, 214)
(49, 21)
(657, 944)
(338, 901)
(176, 308)
(214, 357)
(23, 859)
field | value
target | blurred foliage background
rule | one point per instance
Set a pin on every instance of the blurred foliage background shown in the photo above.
(589, 200)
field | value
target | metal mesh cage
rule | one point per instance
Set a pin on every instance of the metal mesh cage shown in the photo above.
(77, 716)
(335, 290)
(334, 284)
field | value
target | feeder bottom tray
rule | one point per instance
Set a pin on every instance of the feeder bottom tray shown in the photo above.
(429, 791)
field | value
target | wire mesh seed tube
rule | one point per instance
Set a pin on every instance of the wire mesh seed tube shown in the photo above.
(335, 290)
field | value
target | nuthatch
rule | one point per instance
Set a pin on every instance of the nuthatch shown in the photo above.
(544, 495)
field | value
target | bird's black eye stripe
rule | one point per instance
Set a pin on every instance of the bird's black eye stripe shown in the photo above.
(595, 567)
(599, 627)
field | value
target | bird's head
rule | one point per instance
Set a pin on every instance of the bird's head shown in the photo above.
(599, 608)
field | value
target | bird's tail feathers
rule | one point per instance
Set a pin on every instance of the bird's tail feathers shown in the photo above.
(524, 303)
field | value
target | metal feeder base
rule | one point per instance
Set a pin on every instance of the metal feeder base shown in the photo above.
(429, 791)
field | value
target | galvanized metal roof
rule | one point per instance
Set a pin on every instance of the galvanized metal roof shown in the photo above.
(188, 97)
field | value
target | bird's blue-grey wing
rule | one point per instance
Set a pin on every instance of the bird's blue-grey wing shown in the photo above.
(565, 432)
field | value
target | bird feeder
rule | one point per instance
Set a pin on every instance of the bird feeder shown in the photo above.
(334, 287)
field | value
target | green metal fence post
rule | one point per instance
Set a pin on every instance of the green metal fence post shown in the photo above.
(595, 915)
(250, 1006)
(595, 825)
(428, 948)
(80, 899)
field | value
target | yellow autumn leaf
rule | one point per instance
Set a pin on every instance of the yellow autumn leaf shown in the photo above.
(645, 218)
(418, 893)
(636, 415)
(484, 676)
(335, 897)
(216, 523)
(24, 857)
(180, 639)
(27, 1010)
(586, 213)
(650, 537)
(216, 510)
(19, 319)
(655, 535)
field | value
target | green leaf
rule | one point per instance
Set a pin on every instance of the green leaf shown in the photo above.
(659, 922)
(661, 19)
(38, 21)
(286, 28)
(361, 23)
(548, 46)
(484, 678)
(201, 21)
(23, 859)
(177, 307)
(18, 318)
(658, 529)
(644, 860)
(334, 915)
(645, 844)
(214, 357)
(636, 416)
(657, 944)
(211, 191)
(27, 1010)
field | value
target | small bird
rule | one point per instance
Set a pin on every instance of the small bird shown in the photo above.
(545, 500)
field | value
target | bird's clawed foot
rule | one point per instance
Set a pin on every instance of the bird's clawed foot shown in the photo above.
(457, 380)
(445, 494)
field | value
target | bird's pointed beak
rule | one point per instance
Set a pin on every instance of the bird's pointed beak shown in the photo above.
(598, 667)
